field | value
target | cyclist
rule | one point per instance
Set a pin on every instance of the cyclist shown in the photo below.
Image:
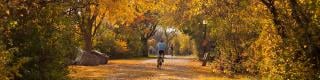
(161, 46)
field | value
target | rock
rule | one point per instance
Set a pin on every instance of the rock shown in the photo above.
(93, 58)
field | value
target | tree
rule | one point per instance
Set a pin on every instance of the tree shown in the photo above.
(297, 33)
(146, 25)
(170, 33)
(36, 39)
(91, 15)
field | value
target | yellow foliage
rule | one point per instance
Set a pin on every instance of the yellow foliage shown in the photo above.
(121, 46)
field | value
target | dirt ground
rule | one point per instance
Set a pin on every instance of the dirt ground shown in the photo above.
(174, 68)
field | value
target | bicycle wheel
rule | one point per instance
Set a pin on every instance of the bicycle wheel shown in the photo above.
(158, 63)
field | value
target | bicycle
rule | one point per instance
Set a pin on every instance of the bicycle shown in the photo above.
(160, 59)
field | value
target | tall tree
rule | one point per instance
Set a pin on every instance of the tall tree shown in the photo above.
(90, 18)
(93, 14)
(298, 31)
(146, 25)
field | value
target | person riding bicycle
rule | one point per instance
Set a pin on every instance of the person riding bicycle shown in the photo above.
(161, 46)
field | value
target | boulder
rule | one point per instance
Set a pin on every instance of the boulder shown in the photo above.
(93, 58)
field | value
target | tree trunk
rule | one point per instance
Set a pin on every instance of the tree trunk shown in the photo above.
(90, 58)
(88, 42)
(145, 47)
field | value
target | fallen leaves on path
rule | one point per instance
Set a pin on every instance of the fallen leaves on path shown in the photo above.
(145, 69)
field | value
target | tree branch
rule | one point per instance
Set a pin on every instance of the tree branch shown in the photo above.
(99, 24)
(153, 31)
(276, 19)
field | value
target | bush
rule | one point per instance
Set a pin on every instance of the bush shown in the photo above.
(38, 42)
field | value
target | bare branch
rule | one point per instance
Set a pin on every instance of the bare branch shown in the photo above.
(99, 24)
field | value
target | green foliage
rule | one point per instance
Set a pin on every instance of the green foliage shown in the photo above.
(107, 43)
(38, 39)
(277, 39)
(184, 45)
(4, 60)
(120, 42)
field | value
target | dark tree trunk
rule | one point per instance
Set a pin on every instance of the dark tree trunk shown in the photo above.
(144, 47)
(270, 4)
(88, 42)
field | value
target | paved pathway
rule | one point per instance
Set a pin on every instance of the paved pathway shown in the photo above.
(174, 68)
